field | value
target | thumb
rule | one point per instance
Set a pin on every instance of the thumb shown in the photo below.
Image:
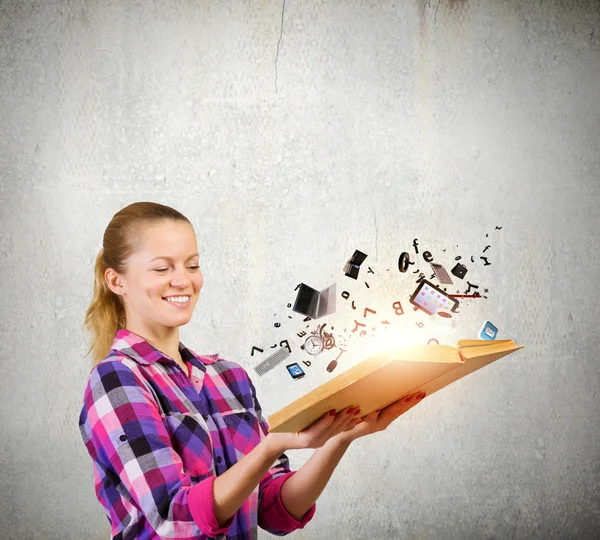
(322, 423)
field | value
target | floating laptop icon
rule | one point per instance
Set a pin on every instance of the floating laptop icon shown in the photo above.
(313, 303)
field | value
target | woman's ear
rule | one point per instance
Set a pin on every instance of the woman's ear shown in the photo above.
(114, 282)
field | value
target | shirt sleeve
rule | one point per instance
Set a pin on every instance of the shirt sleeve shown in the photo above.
(123, 431)
(272, 514)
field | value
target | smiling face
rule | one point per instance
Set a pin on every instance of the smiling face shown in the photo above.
(167, 265)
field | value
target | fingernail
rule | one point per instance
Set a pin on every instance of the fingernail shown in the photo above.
(408, 399)
(357, 411)
(349, 411)
(378, 410)
(332, 413)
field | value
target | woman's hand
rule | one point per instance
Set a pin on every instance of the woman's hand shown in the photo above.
(380, 419)
(316, 435)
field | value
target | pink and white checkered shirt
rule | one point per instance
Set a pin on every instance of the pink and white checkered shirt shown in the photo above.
(158, 438)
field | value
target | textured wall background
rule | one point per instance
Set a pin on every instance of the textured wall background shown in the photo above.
(290, 136)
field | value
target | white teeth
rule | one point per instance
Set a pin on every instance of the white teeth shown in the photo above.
(180, 299)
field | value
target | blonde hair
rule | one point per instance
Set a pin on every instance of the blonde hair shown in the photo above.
(106, 312)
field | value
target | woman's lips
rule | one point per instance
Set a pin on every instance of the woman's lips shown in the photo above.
(179, 305)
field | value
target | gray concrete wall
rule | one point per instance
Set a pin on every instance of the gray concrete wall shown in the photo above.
(291, 137)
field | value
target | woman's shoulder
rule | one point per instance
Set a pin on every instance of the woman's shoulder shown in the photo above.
(115, 370)
(113, 361)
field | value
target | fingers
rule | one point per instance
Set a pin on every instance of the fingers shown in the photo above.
(320, 425)
(407, 402)
(343, 419)
(414, 398)
(354, 422)
(327, 423)
(346, 417)
(333, 422)
(398, 408)
(381, 418)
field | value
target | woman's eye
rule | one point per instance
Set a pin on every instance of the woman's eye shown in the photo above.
(165, 269)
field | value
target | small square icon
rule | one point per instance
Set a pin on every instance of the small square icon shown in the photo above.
(460, 271)
(488, 331)
(295, 371)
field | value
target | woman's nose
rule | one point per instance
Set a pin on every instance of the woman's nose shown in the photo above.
(180, 278)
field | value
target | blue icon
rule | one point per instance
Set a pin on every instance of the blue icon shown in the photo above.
(488, 331)
(295, 371)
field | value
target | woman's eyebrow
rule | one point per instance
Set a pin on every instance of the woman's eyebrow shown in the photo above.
(170, 259)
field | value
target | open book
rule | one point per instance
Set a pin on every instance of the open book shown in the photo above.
(388, 376)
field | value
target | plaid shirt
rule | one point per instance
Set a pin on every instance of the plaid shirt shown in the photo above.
(158, 438)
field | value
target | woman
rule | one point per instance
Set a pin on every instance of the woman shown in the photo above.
(178, 441)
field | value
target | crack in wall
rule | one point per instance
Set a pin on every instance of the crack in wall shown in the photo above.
(279, 42)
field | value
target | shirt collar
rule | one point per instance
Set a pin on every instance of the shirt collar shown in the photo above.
(129, 344)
